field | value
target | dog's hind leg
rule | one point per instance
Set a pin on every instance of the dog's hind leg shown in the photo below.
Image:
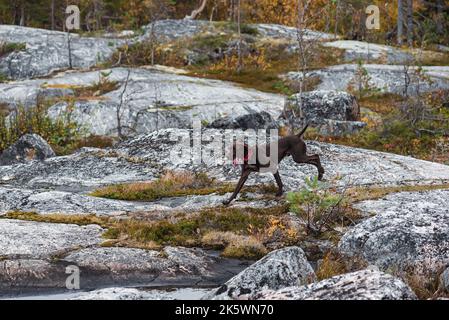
(315, 160)
(243, 178)
(279, 183)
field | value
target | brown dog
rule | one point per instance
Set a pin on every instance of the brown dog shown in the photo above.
(292, 145)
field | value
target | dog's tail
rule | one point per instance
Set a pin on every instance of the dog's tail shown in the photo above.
(303, 130)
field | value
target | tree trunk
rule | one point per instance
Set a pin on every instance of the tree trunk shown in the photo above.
(410, 23)
(336, 19)
(195, 13)
(239, 46)
(400, 21)
(52, 14)
(22, 14)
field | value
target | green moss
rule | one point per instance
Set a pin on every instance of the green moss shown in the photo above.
(188, 231)
(7, 48)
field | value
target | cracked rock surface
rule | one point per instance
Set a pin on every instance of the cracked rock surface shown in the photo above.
(409, 232)
(360, 285)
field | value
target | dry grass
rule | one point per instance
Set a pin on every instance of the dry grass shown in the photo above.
(334, 264)
(170, 184)
(175, 184)
(81, 220)
(235, 246)
(358, 194)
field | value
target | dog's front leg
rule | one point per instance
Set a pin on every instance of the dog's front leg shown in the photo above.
(279, 183)
(243, 178)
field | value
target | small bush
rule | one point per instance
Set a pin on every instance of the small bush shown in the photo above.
(249, 248)
(99, 88)
(62, 133)
(7, 48)
(317, 206)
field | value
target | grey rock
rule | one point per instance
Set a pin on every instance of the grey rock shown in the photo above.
(408, 234)
(145, 157)
(47, 51)
(68, 203)
(360, 285)
(31, 274)
(337, 128)
(136, 294)
(28, 148)
(276, 270)
(319, 106)
(261, 120)
(34, 240)
(358, 50)
(172, 261)
(444, 280)
(169, 30)
(82, 170)
(386, 78)
(290, 33)
(153, 100)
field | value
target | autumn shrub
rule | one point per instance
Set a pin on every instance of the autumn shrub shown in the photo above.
(320, 206)
(8, 47)
(170, 184)
(61, 133)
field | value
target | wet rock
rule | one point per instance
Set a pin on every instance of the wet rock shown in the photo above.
(136, 294)
(261, 120)
(385, 78)
(319, 106)
(30, 273)
(28, 148)
(35, 240)
(47, 51)
(360, 285)
(358, 50)
(277, 270)
(408, 234)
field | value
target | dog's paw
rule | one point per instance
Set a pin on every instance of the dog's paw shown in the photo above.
(279, 194)
(226, 202)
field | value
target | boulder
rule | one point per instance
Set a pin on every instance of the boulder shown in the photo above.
(28, 148)
(159, 100)
(408, 234)
(147, 156)
(277, 270)
(360, 285)
(358, 50)
(319, 106)
(337, 128)
(384, 78)
(127, 262)
(47, 51)
(139, 294)
(35, 240)
(258, 120)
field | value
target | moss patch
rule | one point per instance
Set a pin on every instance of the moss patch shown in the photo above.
(7, 48)
(81, 220)
(174, 184)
